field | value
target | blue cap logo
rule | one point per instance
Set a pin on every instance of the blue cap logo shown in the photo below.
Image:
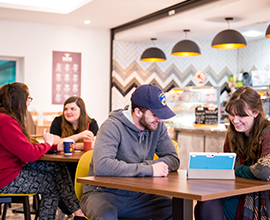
(162, 98)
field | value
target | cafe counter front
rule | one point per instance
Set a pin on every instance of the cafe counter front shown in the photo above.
(197, 125)
(197, 139)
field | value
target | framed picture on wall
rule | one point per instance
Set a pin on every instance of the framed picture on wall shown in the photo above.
(7, 71)
(66, 76)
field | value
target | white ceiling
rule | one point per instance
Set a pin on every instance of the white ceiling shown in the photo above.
(102, 13)
(204, 21)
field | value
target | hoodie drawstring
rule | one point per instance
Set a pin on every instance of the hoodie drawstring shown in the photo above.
(142, 134)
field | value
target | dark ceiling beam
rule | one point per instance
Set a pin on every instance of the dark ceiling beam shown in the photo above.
(177, 8)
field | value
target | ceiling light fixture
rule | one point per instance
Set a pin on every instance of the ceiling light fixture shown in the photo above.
(252, 33)
(267, 33)
(186, 47)
(229, 39)
(52, 6)
(87, 22)
(153, 54)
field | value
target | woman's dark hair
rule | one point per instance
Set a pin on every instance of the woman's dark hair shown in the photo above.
(13, 98)
(242, 100)
(84, 119)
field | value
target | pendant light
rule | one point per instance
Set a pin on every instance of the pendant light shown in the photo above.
(267, 34)
(186, 48)
(229, 39)
(153, 54)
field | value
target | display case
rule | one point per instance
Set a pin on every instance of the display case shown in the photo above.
(264, 92)
(184, 101)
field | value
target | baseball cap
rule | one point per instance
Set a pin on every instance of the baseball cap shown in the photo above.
(152, 97)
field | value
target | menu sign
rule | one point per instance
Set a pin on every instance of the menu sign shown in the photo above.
(66, 76)
(211, 116)
(207, 116)
(199, 115)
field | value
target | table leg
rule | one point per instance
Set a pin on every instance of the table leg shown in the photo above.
(182, 209)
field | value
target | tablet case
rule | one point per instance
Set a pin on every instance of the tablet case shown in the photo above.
(208, 165)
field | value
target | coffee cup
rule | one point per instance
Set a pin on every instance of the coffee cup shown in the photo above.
(68, 146)
(87, 144)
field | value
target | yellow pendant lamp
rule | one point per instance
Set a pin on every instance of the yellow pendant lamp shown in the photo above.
(229, 39)
(153, 54)
(267, 33)
(186, 48)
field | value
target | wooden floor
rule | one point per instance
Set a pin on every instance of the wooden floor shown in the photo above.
(14, 216)
(19, 216)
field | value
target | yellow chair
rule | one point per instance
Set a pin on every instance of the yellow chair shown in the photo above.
(21, 198)
(82, 171)
(176, 146)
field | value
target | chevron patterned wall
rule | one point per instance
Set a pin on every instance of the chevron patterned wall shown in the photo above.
(255, 56)
(129, 72)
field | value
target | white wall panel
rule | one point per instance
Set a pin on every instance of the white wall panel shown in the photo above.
(34, 42)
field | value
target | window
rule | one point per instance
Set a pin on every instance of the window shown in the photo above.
(11, 70)
(7, 71)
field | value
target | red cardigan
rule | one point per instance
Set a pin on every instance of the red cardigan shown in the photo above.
(16, 150)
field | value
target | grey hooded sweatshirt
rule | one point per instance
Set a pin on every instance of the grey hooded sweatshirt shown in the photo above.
(121, 149)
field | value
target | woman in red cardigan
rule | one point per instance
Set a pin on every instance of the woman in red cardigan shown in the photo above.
(21, 171)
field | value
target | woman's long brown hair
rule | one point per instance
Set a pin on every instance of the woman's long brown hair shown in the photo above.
(242, 100)
(84, 119)
(13, 99)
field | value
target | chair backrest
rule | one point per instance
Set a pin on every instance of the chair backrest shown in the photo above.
(82, 171)
(176, 146)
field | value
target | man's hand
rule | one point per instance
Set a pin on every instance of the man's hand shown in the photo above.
(160, 169)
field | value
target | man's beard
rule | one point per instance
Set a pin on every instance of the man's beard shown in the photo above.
(145, 124)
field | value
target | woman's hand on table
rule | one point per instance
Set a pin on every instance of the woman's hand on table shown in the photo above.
(86, 135)
(49, 138)
(60, 146)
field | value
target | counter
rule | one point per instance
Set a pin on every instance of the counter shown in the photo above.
(197, 139)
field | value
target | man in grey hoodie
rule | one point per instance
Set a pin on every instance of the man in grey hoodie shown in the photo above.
(125, 146)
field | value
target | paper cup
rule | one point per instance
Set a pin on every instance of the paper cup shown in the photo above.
(87, 144)
(68, 146)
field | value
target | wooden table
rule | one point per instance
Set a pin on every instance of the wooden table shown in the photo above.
(180, 188)
(62, 157)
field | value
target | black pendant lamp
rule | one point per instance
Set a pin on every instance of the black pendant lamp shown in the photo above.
(153, 54)
(267, 33)
(186, 48)
(229, 39)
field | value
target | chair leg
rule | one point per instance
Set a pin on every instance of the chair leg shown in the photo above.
(5, 211)
(37, 204)
(26, 208)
